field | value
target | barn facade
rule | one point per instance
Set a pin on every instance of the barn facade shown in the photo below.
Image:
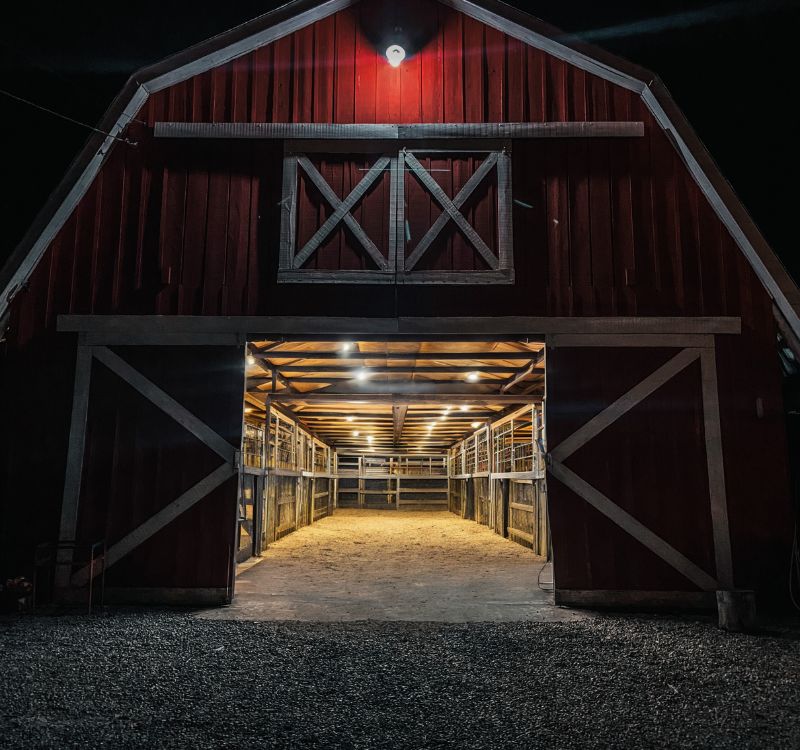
(508, 258)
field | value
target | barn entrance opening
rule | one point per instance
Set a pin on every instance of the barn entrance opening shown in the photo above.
(397, 462)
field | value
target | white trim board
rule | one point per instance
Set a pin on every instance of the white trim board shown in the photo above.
(284, 24)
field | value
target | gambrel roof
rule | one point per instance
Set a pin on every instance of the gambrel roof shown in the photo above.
(296, 15)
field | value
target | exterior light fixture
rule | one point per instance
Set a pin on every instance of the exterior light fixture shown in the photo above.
(473, 377)
(395, 54)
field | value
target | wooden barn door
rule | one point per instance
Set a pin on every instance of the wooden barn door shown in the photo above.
(152, 470)
(636, 486)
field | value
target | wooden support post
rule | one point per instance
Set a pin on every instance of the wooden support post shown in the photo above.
(716, 470)
(505, 485)
(75, 455)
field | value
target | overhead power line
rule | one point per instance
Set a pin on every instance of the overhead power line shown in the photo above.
(49, 111)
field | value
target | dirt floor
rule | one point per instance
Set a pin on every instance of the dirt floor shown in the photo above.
(389, 565)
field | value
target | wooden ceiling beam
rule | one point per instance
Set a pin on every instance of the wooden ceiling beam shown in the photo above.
(286, 370)
(361, 355)
(404, 398)
(536, 364)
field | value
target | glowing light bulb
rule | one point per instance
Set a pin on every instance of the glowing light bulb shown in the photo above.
(251, 360)
(475, 425)
(351, 419)
(370, 439)
(356, 433)
(362, 375)
(395, 54)
(473, 377)
(464, 407)
(347, 346)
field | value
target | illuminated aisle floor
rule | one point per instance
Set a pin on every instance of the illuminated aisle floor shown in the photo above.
(388, 565)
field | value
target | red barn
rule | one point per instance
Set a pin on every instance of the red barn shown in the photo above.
(508, 234)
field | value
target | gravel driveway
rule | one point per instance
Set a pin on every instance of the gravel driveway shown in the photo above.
(131, 679)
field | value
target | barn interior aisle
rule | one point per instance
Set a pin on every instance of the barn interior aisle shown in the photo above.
(429, 566)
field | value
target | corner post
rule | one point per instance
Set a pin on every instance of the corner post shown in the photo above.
(75, 456)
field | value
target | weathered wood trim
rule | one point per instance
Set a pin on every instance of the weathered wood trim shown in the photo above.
(450, 209)
(447, 215)
(682, 340)
(624, 404)
(716, 470)
(336, 277)
(149, 338)
(341, 211)
(481, 11)
(288, 213)
(632, 526)
(463, 278)
(116, 329)
(778, 290)
(393, 132)
(505, 211)
(166, 403)
(75, 457)
(293, 18)
(624, 599)
(166, 515)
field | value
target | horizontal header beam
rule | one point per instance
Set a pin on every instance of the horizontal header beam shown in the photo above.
(390, 132)
(198, 330)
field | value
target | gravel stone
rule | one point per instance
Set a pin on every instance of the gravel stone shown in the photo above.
(167, 679)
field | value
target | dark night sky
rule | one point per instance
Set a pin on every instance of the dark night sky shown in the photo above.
(731, 66)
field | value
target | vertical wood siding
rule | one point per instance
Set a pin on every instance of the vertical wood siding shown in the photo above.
(601, 227)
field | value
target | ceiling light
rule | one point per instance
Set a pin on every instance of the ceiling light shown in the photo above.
(249, 410)
(347, 346)
(350, 419)
(395, 54)
(356, 433)
(475, 425)
(370, 438)
(464, 407)
(473, 377)
(362, 374)
(251, 360)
